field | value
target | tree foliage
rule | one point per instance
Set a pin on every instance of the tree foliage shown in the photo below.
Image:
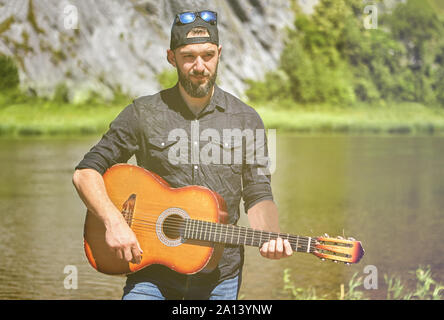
(330, 57)
(9, 74)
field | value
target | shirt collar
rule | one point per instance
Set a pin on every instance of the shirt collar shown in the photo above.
(217, 100)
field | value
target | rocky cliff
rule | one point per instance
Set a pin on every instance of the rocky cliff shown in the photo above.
(105, 45)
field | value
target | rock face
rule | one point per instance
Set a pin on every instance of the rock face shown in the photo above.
(105, 45)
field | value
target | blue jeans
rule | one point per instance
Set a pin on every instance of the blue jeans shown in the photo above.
(192, 289)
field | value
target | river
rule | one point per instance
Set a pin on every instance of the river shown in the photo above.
(386, 191)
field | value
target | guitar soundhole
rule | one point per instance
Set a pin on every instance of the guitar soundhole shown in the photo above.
(172, 226)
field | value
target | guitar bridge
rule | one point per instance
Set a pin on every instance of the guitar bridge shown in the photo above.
(128, 209)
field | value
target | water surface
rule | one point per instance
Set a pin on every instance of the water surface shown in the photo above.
(385, 191)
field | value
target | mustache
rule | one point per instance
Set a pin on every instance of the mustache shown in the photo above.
(203, 73)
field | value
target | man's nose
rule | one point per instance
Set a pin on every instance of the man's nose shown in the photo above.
(199, 65)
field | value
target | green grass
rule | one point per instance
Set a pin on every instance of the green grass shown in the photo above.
(397, 289)
(426, 287)
(397, 118)
(40, 117)
(32, 116)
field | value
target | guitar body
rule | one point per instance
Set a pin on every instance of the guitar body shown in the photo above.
(153, 210)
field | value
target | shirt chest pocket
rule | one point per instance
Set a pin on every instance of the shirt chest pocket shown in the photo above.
(224, 154)
(162, 151)
(227, 172)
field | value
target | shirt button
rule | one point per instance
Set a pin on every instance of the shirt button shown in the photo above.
(162, 144)
(195, 167)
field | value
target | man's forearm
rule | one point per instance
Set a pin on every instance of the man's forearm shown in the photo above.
(119, 237)
(91, 189)
(264, 216)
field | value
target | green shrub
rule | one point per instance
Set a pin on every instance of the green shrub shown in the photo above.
(9, 79)
(61, 94)
(276, 86)
(167, 78)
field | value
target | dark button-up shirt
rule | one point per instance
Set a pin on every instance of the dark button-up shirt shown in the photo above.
(188, 149)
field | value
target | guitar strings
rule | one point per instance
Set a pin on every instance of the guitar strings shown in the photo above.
(248, 233)
(179, 225)
(244, 233)
(256, 243)
(247, 236)
(162, 206)
(297, 238)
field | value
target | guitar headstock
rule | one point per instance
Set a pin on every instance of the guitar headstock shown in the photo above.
(339, 249)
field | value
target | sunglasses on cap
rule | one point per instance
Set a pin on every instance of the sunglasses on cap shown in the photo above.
(189, 17)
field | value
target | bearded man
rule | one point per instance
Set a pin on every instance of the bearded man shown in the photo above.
(143, 129)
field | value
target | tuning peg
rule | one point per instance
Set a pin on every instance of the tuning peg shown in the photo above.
(352, 239)
(326, 235)
(339, 237)
(335, 261)
(323, 259)
(347, 263)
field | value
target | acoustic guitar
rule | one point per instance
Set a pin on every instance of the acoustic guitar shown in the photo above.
(185, 228)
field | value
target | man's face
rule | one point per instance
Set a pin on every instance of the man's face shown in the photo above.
(196, 67)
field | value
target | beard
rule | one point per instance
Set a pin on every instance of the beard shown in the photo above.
(199, 89)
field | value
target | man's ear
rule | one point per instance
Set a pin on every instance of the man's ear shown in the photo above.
(220, 50)
(170, 57)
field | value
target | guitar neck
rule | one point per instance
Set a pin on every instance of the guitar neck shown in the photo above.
(237, 235)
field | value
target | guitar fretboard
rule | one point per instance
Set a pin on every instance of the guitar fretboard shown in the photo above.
(238, 235)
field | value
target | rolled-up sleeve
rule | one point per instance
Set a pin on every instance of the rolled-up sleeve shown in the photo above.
(256, 177)
(117, 145)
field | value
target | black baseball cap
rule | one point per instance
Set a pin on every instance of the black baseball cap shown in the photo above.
(180, 30)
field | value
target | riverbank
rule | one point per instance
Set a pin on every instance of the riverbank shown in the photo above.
(405, 118)
(49, 118)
